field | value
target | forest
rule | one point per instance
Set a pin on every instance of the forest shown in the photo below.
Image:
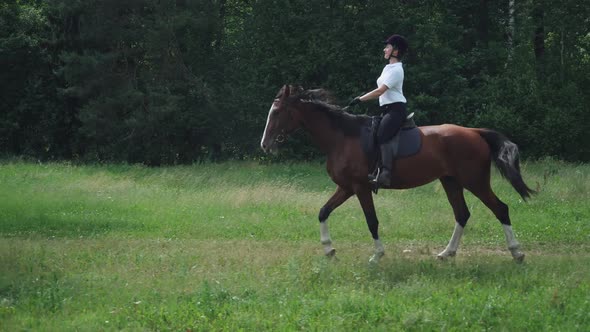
(164, 82)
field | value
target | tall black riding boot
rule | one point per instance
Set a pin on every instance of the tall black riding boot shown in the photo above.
(384, 177)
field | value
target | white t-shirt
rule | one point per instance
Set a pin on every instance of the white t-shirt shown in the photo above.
(393, 77)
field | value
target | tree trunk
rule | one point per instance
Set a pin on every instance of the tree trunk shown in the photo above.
(562, 55)
(510, 33)
(484, 24)
(222, 13)
(539, 39)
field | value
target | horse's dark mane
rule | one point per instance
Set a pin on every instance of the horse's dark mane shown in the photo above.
(323, 101)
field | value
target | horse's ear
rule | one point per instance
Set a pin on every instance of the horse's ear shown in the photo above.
(284, 93)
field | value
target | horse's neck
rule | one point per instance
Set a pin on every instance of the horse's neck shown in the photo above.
(317, 124)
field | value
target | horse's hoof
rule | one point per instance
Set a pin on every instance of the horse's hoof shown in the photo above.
(376, 257)
(444, 255)
(331, 253)
(518, 257)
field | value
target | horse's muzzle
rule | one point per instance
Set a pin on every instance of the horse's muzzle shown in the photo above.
(268, 147)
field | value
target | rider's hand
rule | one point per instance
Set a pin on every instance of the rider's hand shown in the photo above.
(355, 101)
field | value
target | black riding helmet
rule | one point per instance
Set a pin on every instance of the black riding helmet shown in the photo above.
(399, 43)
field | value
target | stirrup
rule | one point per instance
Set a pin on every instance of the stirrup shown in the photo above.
(373, 181)
(375, 175)
(376, 181)
(376, 184)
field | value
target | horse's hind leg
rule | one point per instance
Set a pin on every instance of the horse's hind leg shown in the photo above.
(339, 197)
(455, 195)
(500, 210)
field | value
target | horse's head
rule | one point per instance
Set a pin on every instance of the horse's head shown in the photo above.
(282, 118)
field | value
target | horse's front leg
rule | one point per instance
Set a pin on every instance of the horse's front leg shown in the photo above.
(366, 199)
(339, 197)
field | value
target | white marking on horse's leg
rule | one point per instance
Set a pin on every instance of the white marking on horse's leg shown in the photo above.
(379, 252)
(326, 240)
(379, 246)
(453, 245)
(513, 245)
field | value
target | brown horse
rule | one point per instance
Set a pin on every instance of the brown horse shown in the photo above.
(459, 157)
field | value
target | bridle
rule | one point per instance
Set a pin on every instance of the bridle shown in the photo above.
(282, 137)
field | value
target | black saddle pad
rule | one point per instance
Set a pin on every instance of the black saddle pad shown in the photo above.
(406, 143)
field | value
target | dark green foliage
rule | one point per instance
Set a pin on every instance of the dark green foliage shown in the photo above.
(172, 81)
(30, 123)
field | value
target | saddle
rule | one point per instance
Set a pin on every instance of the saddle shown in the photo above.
(406, 143)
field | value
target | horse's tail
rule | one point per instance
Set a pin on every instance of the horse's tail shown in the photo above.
(506, 158)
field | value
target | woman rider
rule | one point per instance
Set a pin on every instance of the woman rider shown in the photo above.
(391, 101)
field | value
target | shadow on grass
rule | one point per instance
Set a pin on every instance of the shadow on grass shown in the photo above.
(68, 224)
(473, 269)
(397, 272)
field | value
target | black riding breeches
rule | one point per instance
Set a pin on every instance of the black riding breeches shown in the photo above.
(393, 119)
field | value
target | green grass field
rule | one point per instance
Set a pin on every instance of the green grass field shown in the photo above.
(235, 246)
